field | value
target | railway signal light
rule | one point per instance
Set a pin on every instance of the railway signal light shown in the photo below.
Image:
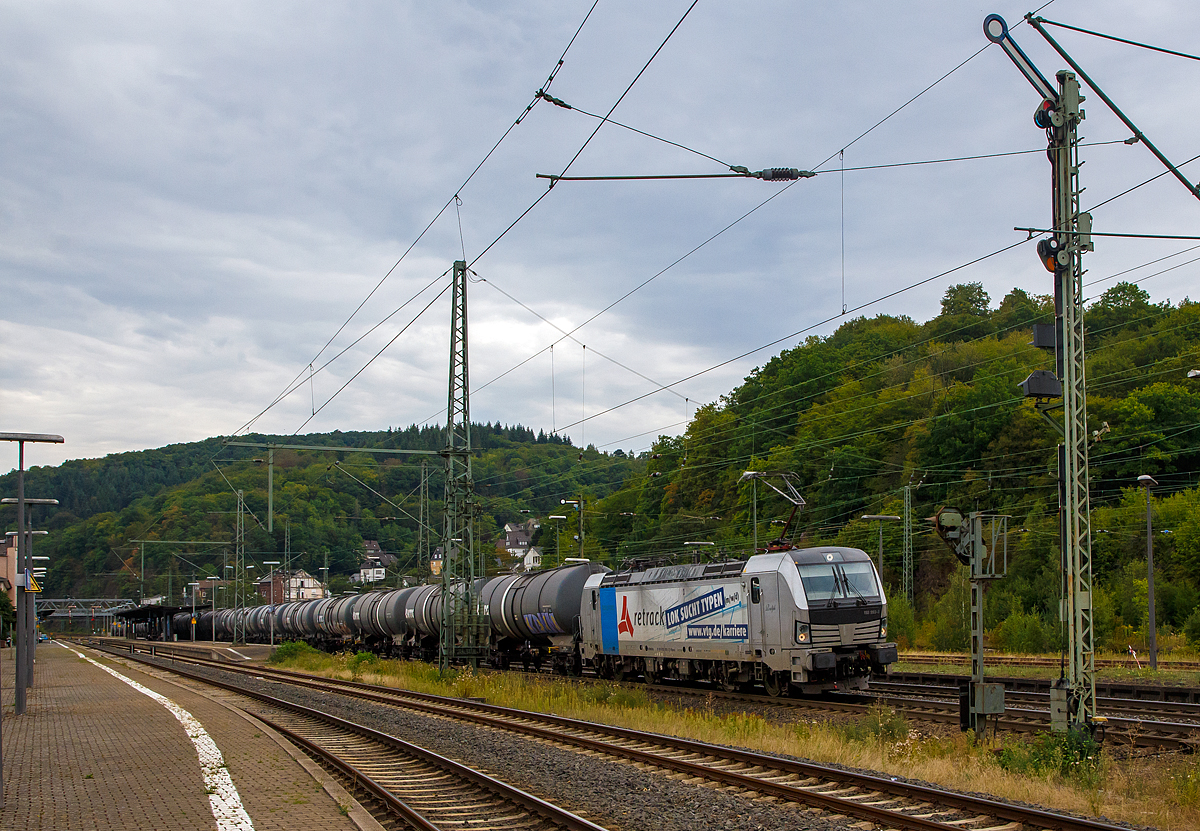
(1052, 254)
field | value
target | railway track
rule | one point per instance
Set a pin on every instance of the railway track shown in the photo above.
(882, 801)
(956, 659)
(1131, 722)
(1130, 707)
(419, 788)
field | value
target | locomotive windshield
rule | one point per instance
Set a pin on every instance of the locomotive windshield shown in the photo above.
(838, 581)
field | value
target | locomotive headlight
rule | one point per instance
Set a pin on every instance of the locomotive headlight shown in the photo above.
(883, 627)
(802, 633)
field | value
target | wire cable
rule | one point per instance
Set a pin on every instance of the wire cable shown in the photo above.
(807, 329)
(1141, 184)
(588, 141)
(901, 107)
(1122, 40)
(536, 97)
(629, 293)
(372, 360)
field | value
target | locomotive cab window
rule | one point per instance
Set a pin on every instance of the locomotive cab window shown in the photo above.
(755, 590)
(593, 598)
(838, 581)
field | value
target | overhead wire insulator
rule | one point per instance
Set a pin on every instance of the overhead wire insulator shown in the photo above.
(781, 174)
(558, 102)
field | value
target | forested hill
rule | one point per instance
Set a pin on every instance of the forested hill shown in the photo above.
(85, 487)
(886, 402)
(325, 502)
(880, 404)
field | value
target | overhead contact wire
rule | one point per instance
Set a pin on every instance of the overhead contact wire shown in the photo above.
(537, 96)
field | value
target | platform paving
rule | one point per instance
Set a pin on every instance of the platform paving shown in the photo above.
(93, 753)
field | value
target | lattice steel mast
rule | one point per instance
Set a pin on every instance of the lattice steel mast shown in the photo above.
(1059, 114)
(460, 615)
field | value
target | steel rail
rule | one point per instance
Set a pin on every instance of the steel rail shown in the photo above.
(547, 810)
(409, 814)
(1136, 731)
(517, 721)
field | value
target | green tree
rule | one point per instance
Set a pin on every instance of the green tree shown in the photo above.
(964, 314)
(1020, 311)
(1124, 306)
(966, 299)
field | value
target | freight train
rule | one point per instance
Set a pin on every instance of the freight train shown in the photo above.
(804, 619)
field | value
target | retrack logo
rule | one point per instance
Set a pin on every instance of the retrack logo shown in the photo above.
(626, 625)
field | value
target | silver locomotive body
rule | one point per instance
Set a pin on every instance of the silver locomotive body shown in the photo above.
(811, 619)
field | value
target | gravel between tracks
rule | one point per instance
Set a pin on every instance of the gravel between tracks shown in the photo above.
(615, 795)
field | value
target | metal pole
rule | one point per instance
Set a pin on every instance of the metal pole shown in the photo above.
(1150, 575)
(754, 499)
(580, 527)
(270, 489)
(271, 577)
(880, 524)
(30, 600)
(907, 577)
(22, 642)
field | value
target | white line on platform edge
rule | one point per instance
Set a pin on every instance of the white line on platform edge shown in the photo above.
(223, 796)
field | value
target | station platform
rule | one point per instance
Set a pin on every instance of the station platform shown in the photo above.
(92, 752)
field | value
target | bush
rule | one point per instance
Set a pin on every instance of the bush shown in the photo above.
(879, 724)
(292, 652)
(1191, 629)
(1021, 632)
(902, 623)
(359, 662)
(951, 630)
(1074, 756)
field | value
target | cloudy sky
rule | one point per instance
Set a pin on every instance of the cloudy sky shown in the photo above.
(195, 197)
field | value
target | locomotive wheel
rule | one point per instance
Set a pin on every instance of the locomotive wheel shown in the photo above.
(618, 672)
(727, 678)
(775, 684)
(652, 677)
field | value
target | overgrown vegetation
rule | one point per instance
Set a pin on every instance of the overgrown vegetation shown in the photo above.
(1074, 757)
(1062, 773)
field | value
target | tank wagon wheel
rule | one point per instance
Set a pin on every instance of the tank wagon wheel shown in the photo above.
(776, 684)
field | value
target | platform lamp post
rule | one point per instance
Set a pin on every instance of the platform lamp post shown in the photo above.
(1146, 481)
(272, 578)
(193, 587)
(22, 601)
(26, 637)
(246, 576)
(881, 518)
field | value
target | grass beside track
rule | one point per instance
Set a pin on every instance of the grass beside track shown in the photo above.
(955, 665)
(1163, 792)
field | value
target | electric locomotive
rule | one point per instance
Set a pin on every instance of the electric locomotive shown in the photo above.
(809, 619)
